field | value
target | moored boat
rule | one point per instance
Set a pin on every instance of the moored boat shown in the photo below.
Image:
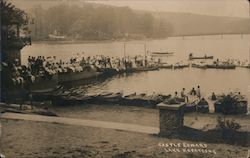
(180, 66)
(165, 66)
(143, 99)
(75, 76)
(44, 84)
(201, 66)
(191, 57)
(231, 104)
(109, 98)
(221, 66)
(161, 53)
(202, 106)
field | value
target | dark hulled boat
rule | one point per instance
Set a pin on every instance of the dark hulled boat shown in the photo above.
(221, 66)
(75, 76)
(191, 57)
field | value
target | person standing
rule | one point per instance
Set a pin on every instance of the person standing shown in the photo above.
(198, 92)
(183, 95)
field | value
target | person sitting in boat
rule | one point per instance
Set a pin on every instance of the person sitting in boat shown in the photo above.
(213, 96)
(198, 92)
(176, 95)
(183, 95)
(238, 96)
(173, 100)
(192, 92)
(202, 102)
(190, 55)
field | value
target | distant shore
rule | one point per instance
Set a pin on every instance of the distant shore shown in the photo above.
(70, 41)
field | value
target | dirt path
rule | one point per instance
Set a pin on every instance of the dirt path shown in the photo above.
(82, 122)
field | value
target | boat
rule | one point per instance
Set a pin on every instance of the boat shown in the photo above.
(66, 99)
(43, 84)
(75, 76)
(191, 57)
(221, 66)
(44, 94)
(201, 66)
(143, 100)
(202, 106)
(199, 58)
(161, 53)
(107, 71)
(180, 66)
(165, 66)
(109, 97)
(231, 104)
(246, 66)
(146, 68)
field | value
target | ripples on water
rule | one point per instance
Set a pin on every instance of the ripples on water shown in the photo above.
(162, 81)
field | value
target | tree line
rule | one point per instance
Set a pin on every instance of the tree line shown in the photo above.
(95, 22)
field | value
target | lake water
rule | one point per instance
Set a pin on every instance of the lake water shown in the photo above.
(163, 81)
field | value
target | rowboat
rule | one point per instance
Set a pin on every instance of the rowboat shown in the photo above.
(143, 99)
(147, 68)
(191, 57)
(109, 97)
(165, 66)
(199, 58)
(231, 104)
(180, 66)
(64, 100)
(161, 53)
(201, 66)
(221, 66)
(202, 106)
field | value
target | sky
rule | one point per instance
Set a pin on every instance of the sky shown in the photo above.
(230, 8)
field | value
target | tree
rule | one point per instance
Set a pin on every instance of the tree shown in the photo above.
(13, 20)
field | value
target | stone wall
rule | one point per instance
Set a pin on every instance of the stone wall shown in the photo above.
(171, 119)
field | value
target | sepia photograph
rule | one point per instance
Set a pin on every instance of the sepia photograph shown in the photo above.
(125, 79)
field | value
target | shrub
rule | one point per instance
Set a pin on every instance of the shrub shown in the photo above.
(227, 125)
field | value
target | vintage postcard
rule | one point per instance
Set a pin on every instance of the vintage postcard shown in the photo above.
(125, 79)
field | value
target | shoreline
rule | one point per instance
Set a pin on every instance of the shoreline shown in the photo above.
(62, 140)
(91, 41)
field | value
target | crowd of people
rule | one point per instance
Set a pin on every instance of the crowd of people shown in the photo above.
(46, 67)
(183, 96)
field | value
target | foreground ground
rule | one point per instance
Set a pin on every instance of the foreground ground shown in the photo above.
(39, 139)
